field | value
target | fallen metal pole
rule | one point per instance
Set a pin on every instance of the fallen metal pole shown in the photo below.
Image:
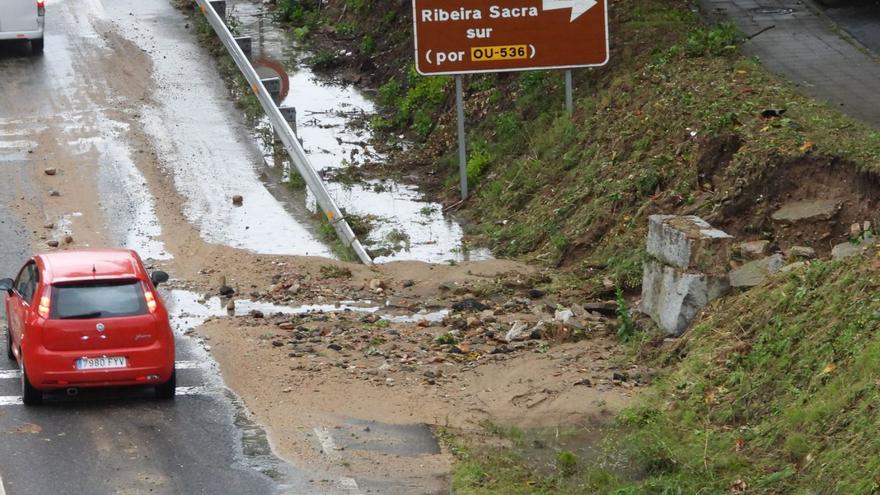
(288, 138)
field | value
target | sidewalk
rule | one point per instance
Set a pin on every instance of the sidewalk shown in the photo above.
(804, 48)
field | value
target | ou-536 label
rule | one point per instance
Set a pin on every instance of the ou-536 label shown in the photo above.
(506, 52)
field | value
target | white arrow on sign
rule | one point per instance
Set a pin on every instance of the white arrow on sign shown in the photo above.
(578, 7)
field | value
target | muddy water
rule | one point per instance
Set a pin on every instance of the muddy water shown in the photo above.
(331, 121)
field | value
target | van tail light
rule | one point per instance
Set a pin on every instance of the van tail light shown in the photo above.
(151, 301)
(43, 308)
(41, 7)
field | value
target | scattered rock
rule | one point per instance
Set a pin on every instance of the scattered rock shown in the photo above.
(256, 313)
(848, 249)
(408, 283)
(237, 200)
(68, 239)
(54, 193)
(50, 171)
(585, 382)
(756, 272)
(230, 306)
(607, 308)
(49, 225)
(535, 293)
(53, 243)
(469, 304)
(277, 343)
(800, 252)
(334, 347)
(793, 266)
(226, 291)
(378, 284)
(752, 250)
(563, 315)
(809, 210)
(518, 331)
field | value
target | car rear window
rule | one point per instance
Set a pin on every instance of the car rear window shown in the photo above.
(98, 299)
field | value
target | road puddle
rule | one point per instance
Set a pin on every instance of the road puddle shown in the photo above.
(189, 309)
(332, 121)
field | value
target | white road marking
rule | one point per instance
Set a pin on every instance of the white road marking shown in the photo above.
(18, 145)
(181, 365)
(2, 490)
(331, 451)
(10, 400)
(198, 390)
(8, 374)
(348, 484)
(327, 443)
(15, 400)
(189, 365)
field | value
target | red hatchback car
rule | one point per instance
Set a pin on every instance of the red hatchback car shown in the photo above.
(88, 318)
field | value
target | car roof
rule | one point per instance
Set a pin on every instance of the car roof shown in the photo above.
(90, 264)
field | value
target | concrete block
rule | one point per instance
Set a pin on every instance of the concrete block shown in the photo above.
(273, 85)
(672, 297)
(689, 243)
(246, 45)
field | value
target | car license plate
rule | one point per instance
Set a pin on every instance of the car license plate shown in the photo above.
(100, 363)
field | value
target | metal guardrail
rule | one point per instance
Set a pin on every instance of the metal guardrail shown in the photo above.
(286, 134)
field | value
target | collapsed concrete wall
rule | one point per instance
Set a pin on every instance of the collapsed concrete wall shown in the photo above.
(687, 268)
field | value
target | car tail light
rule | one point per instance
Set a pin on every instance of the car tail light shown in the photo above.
(151, 301)
(41, 7)
(43, 308)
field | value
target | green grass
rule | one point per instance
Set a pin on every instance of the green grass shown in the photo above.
(778, 389)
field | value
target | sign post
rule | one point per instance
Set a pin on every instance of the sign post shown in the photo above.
(456, 37)
(462, 149)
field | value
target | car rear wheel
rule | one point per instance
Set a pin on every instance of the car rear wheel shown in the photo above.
(9, 353)
(167, 390)
(37, 45)
(29, 395)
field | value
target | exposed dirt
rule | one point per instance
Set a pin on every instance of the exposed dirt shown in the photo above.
(457, 372)
(819, 180)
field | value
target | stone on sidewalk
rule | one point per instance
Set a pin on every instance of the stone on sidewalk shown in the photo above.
(688, 243)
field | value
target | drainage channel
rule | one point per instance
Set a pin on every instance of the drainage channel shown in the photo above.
(333, 123)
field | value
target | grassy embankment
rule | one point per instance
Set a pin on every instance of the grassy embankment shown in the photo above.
(776, 390)
(575, 191)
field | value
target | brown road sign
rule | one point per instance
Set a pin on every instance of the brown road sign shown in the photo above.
(466, 36)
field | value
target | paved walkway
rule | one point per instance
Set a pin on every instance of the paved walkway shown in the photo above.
(804, 47)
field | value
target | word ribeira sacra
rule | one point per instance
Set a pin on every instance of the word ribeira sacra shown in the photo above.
(463, 14)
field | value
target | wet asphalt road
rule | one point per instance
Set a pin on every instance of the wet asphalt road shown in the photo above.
(861, 19)
(116, 441)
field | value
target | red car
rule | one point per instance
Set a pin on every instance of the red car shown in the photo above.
(88, 318)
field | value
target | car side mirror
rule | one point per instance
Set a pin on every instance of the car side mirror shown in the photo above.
(6, 285)
(157, 277)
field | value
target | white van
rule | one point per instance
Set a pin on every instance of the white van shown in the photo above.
(23, 20)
